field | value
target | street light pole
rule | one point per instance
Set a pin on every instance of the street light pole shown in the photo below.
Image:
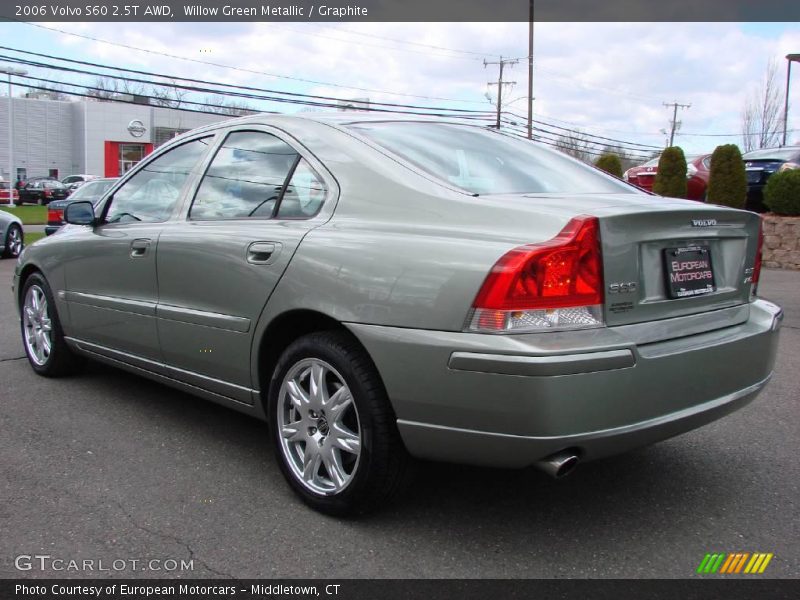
(11, 178)
(789, 59)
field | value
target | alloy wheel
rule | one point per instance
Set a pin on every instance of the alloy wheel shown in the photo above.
(37, 325)
(14, 242)
(320, 432)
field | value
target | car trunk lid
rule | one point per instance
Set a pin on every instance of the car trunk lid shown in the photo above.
(675, 261)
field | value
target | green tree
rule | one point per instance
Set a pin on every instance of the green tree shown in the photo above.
(609, 163)
(782, 193)
(727, 183)
(671, 176)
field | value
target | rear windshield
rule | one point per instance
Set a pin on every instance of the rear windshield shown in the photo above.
(485, 162)
(782, 154)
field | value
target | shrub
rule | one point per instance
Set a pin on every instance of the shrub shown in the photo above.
(782, 193)
(609, 163)
(727, 183)
(671, 176)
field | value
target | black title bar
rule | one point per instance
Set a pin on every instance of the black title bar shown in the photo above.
(402, 10)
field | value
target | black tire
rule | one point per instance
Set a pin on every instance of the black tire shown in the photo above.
(383, 465)
(9, 252)
(61, 361)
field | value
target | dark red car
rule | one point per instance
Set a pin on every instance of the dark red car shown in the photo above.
(697, 173)
(4, 193)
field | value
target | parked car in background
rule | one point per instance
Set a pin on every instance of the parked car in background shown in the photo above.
(377, 287)
(42, 191)
(697, 174)
(4, 193)
(760, 165)
(11, 235)
(73, 182)
(91, 191)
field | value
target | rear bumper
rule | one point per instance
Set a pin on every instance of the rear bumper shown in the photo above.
(510, 401)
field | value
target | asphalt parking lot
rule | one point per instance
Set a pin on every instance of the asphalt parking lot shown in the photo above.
(110, 466)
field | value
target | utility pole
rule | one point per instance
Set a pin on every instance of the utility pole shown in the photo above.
(530, 71)
(500, 83)
(674, 123)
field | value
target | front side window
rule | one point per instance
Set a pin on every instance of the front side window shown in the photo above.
(151, 194)
(246, 177)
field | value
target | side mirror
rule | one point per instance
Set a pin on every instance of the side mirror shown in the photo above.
(79, 213)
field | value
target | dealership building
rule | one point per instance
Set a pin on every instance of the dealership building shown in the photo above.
(58, 138)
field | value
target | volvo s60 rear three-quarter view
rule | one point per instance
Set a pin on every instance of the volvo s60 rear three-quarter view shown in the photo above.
(381, 289)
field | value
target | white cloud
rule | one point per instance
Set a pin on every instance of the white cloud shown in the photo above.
(608, 78)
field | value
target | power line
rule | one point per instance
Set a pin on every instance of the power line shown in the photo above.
(200, 81)
(381, 37)
(346, 41)
(192, 102)
(607, 139)
(244, 70)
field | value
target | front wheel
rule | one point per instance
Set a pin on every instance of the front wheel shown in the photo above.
(42, 336)
(14, 241)
(332, 427)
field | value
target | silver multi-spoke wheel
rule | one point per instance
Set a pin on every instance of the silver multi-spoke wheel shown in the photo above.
(14, 241)
(320, 432)
(37, 326)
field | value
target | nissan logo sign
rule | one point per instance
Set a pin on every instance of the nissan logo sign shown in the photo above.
(136, 128)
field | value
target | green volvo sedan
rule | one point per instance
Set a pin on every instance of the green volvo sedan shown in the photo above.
(382, 288)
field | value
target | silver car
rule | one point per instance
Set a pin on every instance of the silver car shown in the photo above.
(12, 237)
(380, 289)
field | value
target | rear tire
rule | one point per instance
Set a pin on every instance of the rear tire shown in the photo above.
(332, 427)
(42, 336)
(14, 241)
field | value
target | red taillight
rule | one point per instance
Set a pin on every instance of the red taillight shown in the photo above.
(54, 215)
(757, 265)
(562, 272)
(530, 285)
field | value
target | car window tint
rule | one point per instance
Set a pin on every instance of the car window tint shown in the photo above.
(486, 162)
(245, 178)
(304, 194)
(151, 194)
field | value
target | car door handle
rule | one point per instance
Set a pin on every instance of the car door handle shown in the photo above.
(262, 253)
(139, 247)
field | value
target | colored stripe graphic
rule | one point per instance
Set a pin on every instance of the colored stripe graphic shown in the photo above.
(734, 563)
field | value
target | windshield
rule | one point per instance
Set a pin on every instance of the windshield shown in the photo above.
(772, 154)
(91, 190)
(57, 185)
(485, 162)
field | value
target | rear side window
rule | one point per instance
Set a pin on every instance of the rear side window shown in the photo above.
(304, 195)
(246, 178)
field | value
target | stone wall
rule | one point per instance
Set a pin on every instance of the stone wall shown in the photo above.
(781, 242)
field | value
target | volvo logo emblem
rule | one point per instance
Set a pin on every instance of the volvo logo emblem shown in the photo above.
(136, 128)
(704, 222)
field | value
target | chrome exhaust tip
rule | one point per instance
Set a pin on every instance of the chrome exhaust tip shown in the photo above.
(559, 464)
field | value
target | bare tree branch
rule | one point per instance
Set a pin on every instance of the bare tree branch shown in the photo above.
(762, 115)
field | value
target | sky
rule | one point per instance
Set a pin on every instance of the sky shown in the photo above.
(608, 79)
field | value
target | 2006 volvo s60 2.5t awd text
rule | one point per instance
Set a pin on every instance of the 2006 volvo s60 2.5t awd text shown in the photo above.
(383, 289)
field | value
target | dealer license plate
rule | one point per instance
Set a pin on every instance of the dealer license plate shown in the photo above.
(689, 271)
